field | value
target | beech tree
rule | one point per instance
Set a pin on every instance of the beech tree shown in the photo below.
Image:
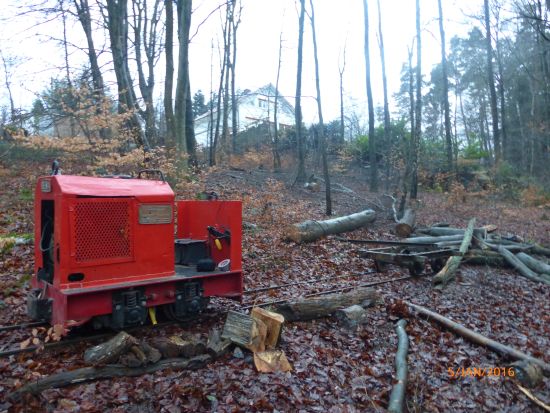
(301, 174)
(373, 181)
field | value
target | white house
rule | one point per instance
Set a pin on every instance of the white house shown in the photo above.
(253, 109)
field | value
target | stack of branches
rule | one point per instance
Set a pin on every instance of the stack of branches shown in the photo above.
(481, 246)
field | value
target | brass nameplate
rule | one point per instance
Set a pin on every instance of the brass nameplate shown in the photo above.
(155, 214)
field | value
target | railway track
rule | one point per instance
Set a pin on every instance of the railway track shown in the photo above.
(201, 317)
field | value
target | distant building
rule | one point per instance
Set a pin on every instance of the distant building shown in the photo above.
(253, 109)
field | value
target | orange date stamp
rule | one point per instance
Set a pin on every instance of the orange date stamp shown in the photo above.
(461, 372)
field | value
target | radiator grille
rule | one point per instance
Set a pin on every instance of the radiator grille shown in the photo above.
(102, 230)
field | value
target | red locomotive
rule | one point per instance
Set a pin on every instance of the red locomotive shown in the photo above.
(105, 251)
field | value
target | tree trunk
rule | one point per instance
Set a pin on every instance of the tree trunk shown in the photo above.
(489, 258)
(341, 72)
(397, 395)
(418, 107)
(433, 240)
(521, 267)
(479, 339)
(447, 273)
(373, 180)
(448, 137)
(405, 225)
(301, 175)
(110, 350)
(323, 143)
(534, 264)
(491, 81)
(276, 155)
(169, 75)
(87, 374)
(308, 231)
(443, 231)
(318, 307)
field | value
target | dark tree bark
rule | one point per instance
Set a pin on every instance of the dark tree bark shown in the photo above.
(418, 107)
(236, 19)
(373, 180)
(387, 120)
(301, 175)
(448, 137)
(169, 74)
(322, 138)
(276, 154)
(182, 82)
(491, 81)
(117, 25)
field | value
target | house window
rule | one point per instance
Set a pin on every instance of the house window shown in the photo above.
(262, 103)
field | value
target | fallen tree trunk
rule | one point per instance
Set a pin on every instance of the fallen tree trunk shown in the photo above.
(433, 240)
(490, 258)
(538, 250)
(405, 225)
(317, 307)
(521, 267)
(533, 263)
(397, 395)
(86, 374)
(479, 339)
(447, 273)
(110, 350)
(310, 230)
(439, 231)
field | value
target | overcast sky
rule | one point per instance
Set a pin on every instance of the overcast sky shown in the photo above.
(39, 57)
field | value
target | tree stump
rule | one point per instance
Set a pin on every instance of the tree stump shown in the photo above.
(405, 225)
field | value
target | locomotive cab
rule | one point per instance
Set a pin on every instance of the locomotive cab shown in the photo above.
(105, 250)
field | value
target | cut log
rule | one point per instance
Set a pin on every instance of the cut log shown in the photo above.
(216, 346)
(274, 325)
(533, 263)
(351, 317)
(405, 225)
(245, 331)
(447, 273)
(433, 240)
(490, 258)
(271, 361)
(528, 374)
(86, 374)
(538, 250)
(521, 267)
(111, 350)
(310, 230)
(397, 395)
(176, 346)
(479, 339)
(317, 307)
(440, 232)
(513, 247)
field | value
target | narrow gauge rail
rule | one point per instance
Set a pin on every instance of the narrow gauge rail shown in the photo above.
(245, 306)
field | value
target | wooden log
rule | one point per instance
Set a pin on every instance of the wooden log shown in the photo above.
(447, 273)
(310, 230)
(111, 350)
(397, 395)
(176, 346)
(520, 266)
(317, 307)
(534, 264)
(274, 325)
(350, 317)
(216, 346)
(479, 339)
(440, 232)
(433, 240)
(490, 258)
(245, 331)
(405, 225)
(87, 374)
(539, 250)
(528, 374)
(514, 247)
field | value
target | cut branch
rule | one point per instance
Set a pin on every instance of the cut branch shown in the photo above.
(397, 395)
(479, 339)
(447, 273)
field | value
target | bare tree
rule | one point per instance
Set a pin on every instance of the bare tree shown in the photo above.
(341, 69)
(6, 62)
(373, 181)
(491, 81)
(301, 175)
(276, 155)
(387, 121)
(169, 73)
(322, 138)
(448, 137)
(235, 21)
(418, 107)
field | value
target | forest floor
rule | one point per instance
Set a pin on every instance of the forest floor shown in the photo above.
(334, 369)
